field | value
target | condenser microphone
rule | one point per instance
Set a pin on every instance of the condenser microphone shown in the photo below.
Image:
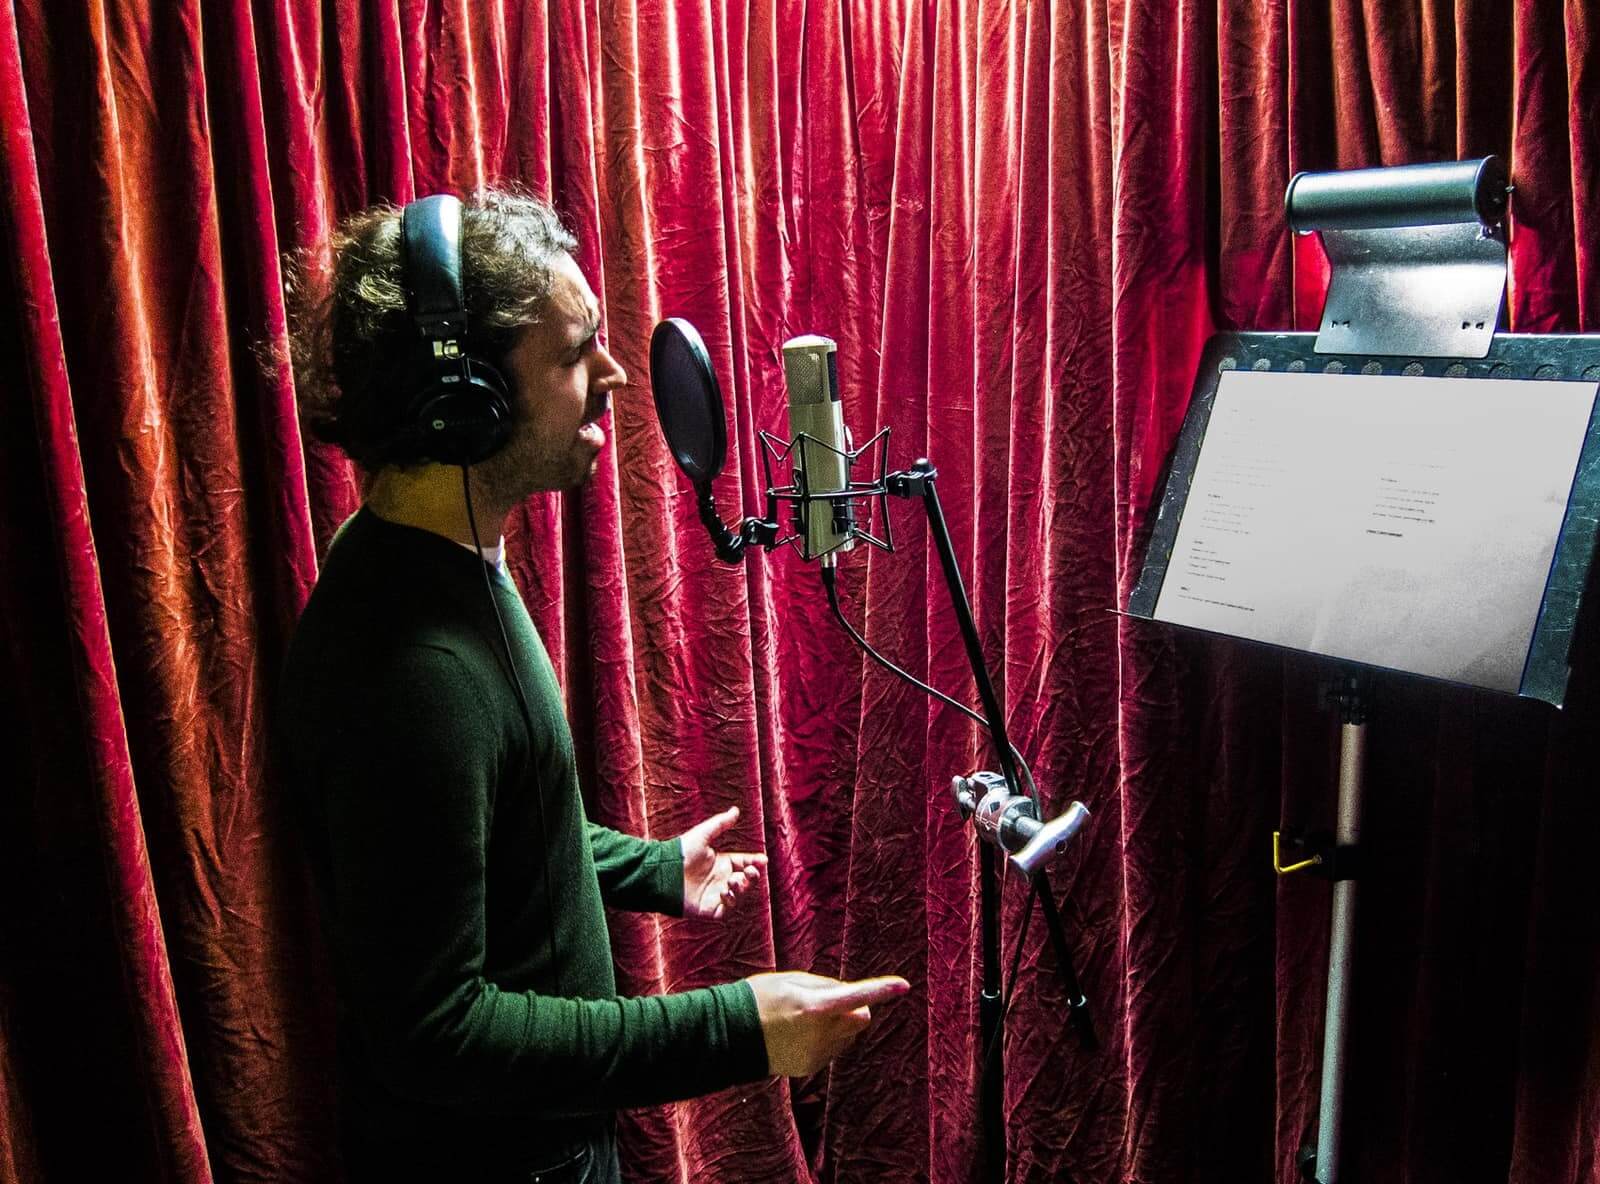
(811, 374)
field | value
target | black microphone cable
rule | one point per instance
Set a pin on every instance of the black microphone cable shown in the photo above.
(830, 584)
(527, 719)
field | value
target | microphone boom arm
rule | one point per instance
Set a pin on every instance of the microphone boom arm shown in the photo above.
(918, 481)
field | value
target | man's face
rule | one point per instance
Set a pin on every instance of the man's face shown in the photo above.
(561, 378)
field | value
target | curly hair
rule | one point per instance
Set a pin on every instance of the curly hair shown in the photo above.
(351, 342)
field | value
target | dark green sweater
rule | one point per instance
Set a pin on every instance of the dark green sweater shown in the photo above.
(421, 791)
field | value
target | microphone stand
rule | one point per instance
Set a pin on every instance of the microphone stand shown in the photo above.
(1004, 817)
(918, 481)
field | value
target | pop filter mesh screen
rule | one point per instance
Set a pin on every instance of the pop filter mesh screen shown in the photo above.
(688, 401)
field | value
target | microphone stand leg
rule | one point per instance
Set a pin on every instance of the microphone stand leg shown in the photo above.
(1077, 1001)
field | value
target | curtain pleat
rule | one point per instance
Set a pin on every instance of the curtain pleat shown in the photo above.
(150, 1095)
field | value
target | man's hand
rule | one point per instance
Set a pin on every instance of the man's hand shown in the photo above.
(713, 880)
(808, 1019)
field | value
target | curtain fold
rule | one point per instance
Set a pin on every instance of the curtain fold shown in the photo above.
(1020, 221)
(152, 1089)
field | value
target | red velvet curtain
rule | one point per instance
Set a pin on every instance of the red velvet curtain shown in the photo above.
(1020, 221)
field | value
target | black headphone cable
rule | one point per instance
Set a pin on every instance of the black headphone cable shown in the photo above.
(527, 719)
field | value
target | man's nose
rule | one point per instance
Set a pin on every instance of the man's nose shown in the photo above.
(614, 375)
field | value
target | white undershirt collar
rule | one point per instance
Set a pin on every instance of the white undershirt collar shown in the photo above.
(494, 556)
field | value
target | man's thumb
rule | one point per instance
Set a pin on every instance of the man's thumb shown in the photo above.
(707, 829)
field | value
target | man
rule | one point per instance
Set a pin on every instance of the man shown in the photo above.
(481, 1037)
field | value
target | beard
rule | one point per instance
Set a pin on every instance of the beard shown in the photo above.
(527, 465)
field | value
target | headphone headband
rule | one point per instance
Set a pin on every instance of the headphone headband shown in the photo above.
(431, 229)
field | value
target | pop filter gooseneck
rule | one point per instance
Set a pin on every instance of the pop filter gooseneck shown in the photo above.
(689, 405)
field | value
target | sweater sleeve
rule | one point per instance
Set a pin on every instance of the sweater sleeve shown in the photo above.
(406, 808)
(640, 875)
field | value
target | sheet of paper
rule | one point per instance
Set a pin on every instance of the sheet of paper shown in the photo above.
(1406, 522)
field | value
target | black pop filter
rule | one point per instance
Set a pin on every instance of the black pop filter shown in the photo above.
(688, 400)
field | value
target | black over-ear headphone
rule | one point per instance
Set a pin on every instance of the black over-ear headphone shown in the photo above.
(458, 412)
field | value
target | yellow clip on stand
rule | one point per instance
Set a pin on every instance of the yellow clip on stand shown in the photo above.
(1277, 858)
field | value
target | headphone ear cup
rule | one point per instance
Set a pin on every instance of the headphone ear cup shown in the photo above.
(494, 385)
(466, 421)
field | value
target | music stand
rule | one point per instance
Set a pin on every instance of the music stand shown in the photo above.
(1452, 473)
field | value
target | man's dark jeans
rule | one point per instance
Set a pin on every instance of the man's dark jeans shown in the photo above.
(590, 1162)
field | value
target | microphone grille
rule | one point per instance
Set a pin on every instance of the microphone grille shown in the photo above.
(807, 371)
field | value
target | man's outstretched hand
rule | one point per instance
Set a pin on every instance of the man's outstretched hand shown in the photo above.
(808, 1019)
(713, 880)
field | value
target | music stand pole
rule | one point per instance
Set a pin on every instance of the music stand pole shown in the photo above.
(1342, 933)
